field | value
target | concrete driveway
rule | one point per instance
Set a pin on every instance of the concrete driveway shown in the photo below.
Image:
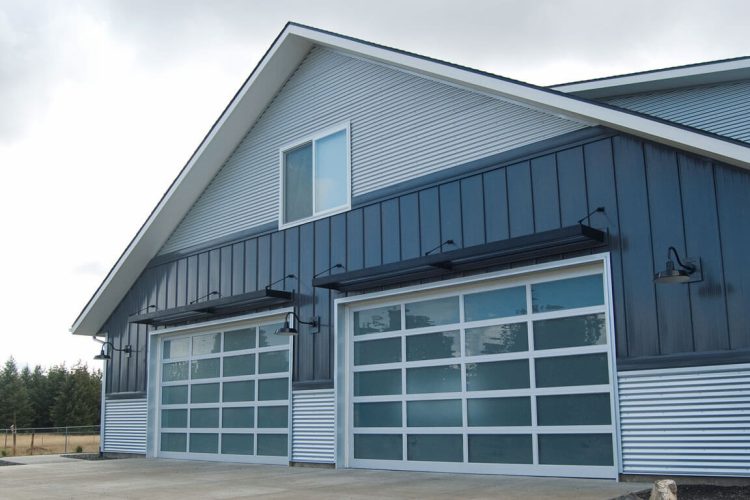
(59, 477)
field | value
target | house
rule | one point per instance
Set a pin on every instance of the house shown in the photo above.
(377, 259)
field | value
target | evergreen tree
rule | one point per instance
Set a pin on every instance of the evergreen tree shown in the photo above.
(15, 407)
(77, 401)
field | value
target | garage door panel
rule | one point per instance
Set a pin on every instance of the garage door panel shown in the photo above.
(508, 379)
(225, 395)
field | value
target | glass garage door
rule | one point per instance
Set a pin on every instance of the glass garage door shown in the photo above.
(514, 378)
(225, 395)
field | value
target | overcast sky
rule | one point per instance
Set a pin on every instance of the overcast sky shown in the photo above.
(102, 103)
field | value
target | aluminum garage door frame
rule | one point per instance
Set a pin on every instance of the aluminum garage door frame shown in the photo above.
(156, 384)
(571, 268)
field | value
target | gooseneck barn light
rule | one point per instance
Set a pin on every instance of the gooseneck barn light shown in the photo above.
(290, 330)
(673, 275)
(105, 354)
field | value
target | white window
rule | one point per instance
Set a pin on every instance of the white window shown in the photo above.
(315, 176)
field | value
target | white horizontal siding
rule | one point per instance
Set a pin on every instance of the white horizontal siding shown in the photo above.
(402, 126)
(125, 426)
(722, 109)
(314, 426)
(686, 421)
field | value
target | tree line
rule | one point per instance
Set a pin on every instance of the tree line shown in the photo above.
(54, 397)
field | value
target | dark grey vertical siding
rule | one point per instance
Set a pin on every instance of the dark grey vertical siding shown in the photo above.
(654, 197)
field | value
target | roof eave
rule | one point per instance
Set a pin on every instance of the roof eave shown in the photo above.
(664, 79)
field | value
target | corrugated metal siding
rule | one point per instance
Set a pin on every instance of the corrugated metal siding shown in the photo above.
(686, 421)
(402, 126)
(125, 426)
(723, 109)
(314, 426)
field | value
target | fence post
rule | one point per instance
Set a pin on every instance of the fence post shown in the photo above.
(32, 442)
(66, 440)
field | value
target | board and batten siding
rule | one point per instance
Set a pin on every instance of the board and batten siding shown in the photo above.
(402, 126)
(722, 109)
(654, 197)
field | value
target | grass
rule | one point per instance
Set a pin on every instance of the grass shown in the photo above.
(48, 444)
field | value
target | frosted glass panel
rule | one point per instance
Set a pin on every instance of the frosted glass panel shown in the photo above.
(575, 331)
(567, 294)
(298, 183)
(433, 379)
(239, 339)
(497, 375)
(204, 393)
(574, 409)
(272, 362)
(495, 304)
(205, 368)
(179, 348)
(500, 449)
(204, 443)
(204, 417)
(377, 414)
(174, 394)
(433, 346)
(239, 391)
(276, 388)
(575, 449)
(237, 444)
(267, 335)
(174, 371)
(432, 312)
(239, 365)
(173, 441)
(237, 418)
(497, 339)
(435, 447)
(586, 369)
(380, 319)
(372, 352)
(440, 413)
(273, 416)
(378, 446)
(206, 344)
(331, 172)
(272, 445)
(499, 411)
(174, 418)
(377, 383)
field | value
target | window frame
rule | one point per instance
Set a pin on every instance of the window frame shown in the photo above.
(312, 138)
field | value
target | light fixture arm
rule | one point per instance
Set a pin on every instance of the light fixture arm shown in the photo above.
(688, 267)
(313, 322)
(106, 354)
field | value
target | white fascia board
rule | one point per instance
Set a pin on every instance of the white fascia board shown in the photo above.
(669, 78)
(270, 74)
(552, 102)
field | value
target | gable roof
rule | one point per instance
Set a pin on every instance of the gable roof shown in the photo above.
(279, 62)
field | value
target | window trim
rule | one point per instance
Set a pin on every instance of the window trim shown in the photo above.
(311, 138)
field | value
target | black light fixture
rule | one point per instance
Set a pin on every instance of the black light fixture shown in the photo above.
(673, 275)
(104, 354)
(289, 330)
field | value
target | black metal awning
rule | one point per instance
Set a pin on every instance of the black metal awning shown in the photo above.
(212, 308)
(544, 244)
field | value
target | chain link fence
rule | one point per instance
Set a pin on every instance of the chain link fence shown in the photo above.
(49, 440)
